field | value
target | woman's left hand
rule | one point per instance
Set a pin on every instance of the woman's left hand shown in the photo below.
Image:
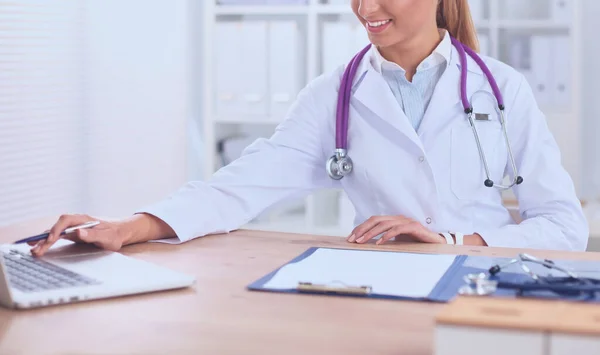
(393, 226)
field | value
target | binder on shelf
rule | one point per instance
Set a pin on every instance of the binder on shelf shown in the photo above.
(253, 75)
(227, 69)
(562, 11)
(562, 84)
(338, 44)
(519, 56)
(519, 53)
(338, 2)
(287, 2)
(484, 45)
(241, 85)
(284, 63)
(262, 2)
(541, 69)
(476, 7)
(524, 9)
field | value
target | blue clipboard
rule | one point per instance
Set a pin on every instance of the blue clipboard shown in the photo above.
(444, 291)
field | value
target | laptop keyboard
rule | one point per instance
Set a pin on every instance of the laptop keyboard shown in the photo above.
(29, 274)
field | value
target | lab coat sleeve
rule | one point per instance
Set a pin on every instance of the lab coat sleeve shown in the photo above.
(288, 165)
(552, 214)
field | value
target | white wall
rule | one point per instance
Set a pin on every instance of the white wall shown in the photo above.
(138, 101)
(195, 143)
(590, 92)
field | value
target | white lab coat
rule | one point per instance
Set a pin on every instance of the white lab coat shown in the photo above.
(434, 175)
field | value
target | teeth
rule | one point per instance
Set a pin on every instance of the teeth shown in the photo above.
(378, 23)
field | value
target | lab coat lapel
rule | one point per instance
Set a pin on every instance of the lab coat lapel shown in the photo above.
(373, 94)
(445, 99)
(445, 103)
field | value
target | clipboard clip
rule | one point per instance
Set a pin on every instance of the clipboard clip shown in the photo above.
(336, 287)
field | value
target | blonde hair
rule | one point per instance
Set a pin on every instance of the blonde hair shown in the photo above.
(455, 17)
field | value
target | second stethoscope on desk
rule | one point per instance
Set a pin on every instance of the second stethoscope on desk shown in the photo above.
(340, 164)
(569, 285)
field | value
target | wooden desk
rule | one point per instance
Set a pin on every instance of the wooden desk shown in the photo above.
(218, 315)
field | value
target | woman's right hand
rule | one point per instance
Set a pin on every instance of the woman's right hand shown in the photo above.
(106, 235)
(110, 235)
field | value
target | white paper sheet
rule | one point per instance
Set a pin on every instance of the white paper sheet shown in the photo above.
(388, 273)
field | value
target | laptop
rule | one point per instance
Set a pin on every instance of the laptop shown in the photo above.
(71, 272)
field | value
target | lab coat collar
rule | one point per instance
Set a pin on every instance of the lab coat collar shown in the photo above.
(440, 55)
(372, 91)
(452, 72)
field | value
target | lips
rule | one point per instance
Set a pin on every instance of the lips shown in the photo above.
(378, 26)
(378, 23)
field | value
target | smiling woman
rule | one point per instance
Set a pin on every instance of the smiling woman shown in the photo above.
(404, 110)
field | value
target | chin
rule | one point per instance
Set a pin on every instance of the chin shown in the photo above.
(383, 41)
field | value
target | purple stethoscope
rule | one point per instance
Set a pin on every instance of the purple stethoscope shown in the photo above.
(340, 164)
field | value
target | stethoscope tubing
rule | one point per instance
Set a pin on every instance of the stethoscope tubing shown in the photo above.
(334, 168)
(552, 287)
(343, 105)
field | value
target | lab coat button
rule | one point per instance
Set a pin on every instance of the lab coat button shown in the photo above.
(421, 158)
(428, 220)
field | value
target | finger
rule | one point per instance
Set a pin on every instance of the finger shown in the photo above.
(410, 229)
(78, 236)
(64, 222)
(36, 248)
(364, 227)
(34, 242)
(379, 228)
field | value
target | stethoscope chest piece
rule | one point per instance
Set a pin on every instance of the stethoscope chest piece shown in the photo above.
(339, 165)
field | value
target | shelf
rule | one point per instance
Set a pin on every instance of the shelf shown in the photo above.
(247, 120)
(557, 113)
(533, 24)
(261, 10)
(333, 9)
(282, 9)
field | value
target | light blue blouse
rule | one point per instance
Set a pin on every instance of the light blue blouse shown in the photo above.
(414, 97)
